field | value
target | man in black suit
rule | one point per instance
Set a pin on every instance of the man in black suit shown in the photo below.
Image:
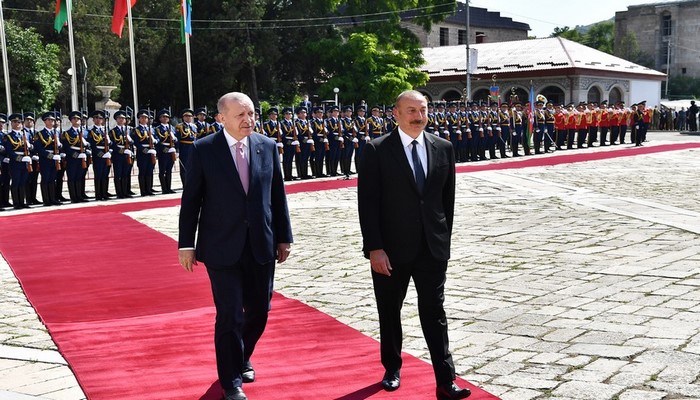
(406, 193)
(235, 199)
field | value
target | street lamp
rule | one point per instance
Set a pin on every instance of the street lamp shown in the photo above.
(336, 91)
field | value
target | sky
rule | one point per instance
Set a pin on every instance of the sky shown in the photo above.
(545, 15)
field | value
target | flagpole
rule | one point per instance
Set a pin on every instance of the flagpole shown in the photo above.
(133, 56)
(71, 47)
(189, 69)
(5, 64)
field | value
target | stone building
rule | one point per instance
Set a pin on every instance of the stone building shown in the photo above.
(660, 28)
(484, 26)
(562, 70)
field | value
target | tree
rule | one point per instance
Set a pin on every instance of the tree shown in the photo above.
(33, 74)
(600, 36)
(629, 50)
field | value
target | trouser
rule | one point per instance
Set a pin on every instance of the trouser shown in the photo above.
(242, 294)
(428, 276)
(604, 136)
(614, 133)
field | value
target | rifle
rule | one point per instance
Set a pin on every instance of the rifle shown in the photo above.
(309, 136)
(172, 143)
(83, 161)
(26, 151)
(55, 148)
(279, 137)
(150, 144)
(105, 139)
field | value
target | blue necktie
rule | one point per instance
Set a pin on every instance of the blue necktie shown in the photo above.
(417, 167)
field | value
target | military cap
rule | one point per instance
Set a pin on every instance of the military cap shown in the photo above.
(272, 110)
(287, 110)
(75, 114)
(258, 110)
(539, 102)
(550, 102)
(361, 108)
(430, 104)
(128, 116)
(347, 108)
(453, 104)
(3, 118)
(200, 110)
(215, 113)
(334, 108)
(29, 115)
(582, 103)
(440, 105)
(376, 108)
(16, 117)
(504, 104)
(97, 114)
(389, 108)
(142, 112)
(318, 109)
(47, 115)
(604, 103)
(517, 103)
(300, 109)
(642, 103)
(119, 113)
(184, 113)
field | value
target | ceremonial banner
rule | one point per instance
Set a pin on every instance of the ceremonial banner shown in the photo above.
(61, 15)
(494, 94)
(186, 21)
(120, 12)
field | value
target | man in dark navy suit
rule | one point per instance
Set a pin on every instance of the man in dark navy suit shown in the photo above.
(235, 200)
(406, 194)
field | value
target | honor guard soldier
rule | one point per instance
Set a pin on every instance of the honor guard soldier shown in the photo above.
(350, 140)
(122, 160)
(75, 147)
(146, 154)
(440, 120)
(475, 134)
(217, 125)
(33, 178)
(389, 120)
(62, 172)
(375, 124)
(98, 138)
(291, 144)
(258, 123)
(186, 135)
(642, 118)
(321, 142)
(484, 134)
(592, 122)
(203, 127)
(362, 135)
(517, 115)
(495, 132)
(453, 122)
(540, 126)
(581, 125)
(4, 166)
(604, 117)
(337, 143)
(271, 128)
(166, 147)
(466, 134)
(18, 150)
(615, 122)
(88, 151)
(560, 118)
(549, 131)
(430, 127)
(304, 134)
(505, 121)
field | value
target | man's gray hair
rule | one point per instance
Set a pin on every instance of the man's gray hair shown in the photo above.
(232, 97)
(412, 94)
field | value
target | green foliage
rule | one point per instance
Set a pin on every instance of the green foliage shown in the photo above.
(33, 73)
(684, 87)
(600, 36)
(629, 50)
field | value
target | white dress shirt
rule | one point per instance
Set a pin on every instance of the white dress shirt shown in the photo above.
(408, 149)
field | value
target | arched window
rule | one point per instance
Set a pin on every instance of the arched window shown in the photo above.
(452, 95)
(481, 96)
(615, 96)
(594, 95)
(554, 94)
(510, 95)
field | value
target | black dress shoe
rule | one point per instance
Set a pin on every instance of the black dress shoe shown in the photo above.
(248, 374)
(391, 380)
(450, 391)
(235, 394)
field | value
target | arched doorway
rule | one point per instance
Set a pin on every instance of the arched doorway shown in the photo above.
(554, 94)
(515, 94)
(615, 96)
(452, 95)
(594, 95)
(481, 96)
(428, 97)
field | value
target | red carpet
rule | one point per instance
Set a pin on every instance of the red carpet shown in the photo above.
(133, 325)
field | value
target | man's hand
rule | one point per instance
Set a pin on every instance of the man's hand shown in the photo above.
(187, 259)
(283, 250)
(380, 262)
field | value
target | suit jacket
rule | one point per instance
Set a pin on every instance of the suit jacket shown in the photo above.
(215, 204)
(394, 215)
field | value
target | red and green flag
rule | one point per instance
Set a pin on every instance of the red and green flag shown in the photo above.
(61, 15)
(186, 20)
(121, 9)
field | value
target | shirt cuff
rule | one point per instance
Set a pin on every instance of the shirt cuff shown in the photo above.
(186, 248)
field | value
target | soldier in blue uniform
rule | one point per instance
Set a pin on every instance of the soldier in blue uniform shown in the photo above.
(517, 133)
(4, 167)
(362, 135)
(375, 124)
(166, 147)
(75, 148)
(431, 127)
(145, 148)
(33, 179)
(291, 144)
(549, 113)
(20, 162)
(504, 122)
(217, 125)
(304, 134)
(540, 126)
(321, 142)
(98, 138)
(441, 121)
(336, 141)
(186, 135)
(203, 127)
(389, 121)
(122, 160)
(350, 140)
(494, 131)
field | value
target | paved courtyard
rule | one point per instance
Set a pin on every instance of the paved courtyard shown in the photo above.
(575, 281)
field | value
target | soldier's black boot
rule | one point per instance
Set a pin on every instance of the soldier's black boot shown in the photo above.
(149, 184)
(126, 187)
(45, 195)
(5, 196)
(98, 189)
(105, 189)
(52, 194)
(163, 184)
(313, 169)
(16, 203)
(59, 190)
(143, 189)
(118, 187)
(71, 192)
(169, 182)
(81, 190)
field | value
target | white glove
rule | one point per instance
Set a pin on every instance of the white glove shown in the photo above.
(355, 140)
(546, 131)
(2, 148)
(636, 127)
(339, 138)
(82, 156)
(172, 150)
(6, 160)
(35, 158)
(498, 129)
(127, 152)
(151, 151)
(310, 141)
(458, 131)
(60, 145)
(63, 155)
(367, 138)
(481, 129)
(295, 143)
(489, 128)
(107, 156)
(26, 159)
(537, 131)
(468, 130)
(56, 157)
(514, 134)
(177, 155)
(325, 140)
(280, 145)
(88, 152)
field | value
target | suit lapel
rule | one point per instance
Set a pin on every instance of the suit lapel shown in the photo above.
(223, 153)
(431, 151)
(256, 152)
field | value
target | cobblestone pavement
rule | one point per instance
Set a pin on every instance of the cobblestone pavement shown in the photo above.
(575, 281)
